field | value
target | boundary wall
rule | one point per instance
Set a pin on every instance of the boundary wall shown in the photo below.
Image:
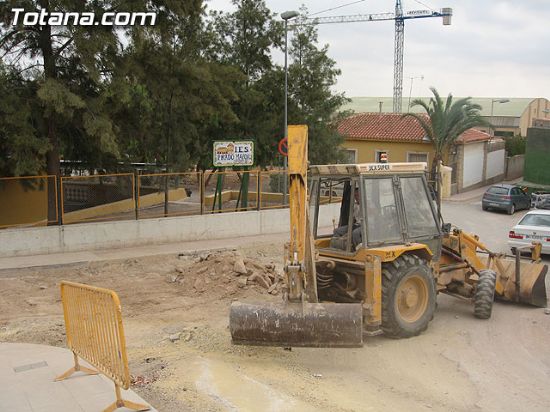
(129, 233)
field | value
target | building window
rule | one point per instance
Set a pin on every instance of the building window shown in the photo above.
(350, 156)
(417, 157)
(381, 156)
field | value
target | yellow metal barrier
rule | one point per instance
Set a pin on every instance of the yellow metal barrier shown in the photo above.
(93, 321)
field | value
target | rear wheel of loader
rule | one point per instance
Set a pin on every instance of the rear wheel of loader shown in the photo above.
(485, 294)
(408, 296)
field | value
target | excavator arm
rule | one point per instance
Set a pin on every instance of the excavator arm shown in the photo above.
(300, 264)
(300, 320)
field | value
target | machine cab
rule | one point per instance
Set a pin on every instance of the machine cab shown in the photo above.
(372, 206)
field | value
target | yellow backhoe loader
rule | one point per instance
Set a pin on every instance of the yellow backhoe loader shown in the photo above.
(379, 267)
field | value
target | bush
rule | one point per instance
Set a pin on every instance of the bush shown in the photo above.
(515, 145)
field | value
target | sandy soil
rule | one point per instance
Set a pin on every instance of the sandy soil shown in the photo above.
(176, 315)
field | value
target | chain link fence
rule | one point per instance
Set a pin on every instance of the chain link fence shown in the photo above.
(273, 194)
(97, 198)
(230, 191)
(168, 194)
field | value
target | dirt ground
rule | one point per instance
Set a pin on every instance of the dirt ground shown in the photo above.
(175, 311)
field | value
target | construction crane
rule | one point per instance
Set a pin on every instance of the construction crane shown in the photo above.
(399, 16)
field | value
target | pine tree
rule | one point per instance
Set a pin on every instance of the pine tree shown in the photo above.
(312, 75)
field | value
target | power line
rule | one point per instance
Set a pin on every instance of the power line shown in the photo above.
(335, 8)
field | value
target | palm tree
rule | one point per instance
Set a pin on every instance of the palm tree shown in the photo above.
(444, 122)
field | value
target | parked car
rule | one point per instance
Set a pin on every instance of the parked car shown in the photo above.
(540, 200)
(505, 197)
(534, 226)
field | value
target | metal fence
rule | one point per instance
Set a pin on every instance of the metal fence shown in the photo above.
(94, 330)
(48, 200)
(168, 194)
(99, 197)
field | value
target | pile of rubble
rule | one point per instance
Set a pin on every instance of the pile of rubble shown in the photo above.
(230, 268)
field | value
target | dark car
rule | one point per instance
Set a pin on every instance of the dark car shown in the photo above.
(505, 197)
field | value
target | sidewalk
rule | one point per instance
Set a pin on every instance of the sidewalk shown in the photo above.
(18, 262)
(27, 384)
(476, 194)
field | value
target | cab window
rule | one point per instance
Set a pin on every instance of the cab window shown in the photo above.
(421, 221)
(382, 218)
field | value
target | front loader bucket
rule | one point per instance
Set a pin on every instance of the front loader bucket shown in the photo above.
(297, 324)
(531, 288)
(538, 292)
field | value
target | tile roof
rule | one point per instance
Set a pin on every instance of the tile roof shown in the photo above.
(393, 127)
(473, 135)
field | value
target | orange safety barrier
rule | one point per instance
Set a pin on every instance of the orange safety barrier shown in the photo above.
(93, 323)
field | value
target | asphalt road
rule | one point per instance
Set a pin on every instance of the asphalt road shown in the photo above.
(491, 227)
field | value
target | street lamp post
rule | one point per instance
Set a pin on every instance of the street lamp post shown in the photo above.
(421, 77)
(286, 16)
(493, 101)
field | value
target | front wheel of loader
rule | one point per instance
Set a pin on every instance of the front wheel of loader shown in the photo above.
(485, 294)
(408, 296)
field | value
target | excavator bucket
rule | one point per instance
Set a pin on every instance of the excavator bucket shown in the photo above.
(328, 325)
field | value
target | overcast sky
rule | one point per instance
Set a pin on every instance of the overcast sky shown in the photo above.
(494, 48)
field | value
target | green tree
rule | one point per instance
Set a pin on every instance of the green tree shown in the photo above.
(73, 67)
(49, 55)
(444, 121)
(174, 95)
(244, 40)
(515, 145)
(21, 147)
(312, 101)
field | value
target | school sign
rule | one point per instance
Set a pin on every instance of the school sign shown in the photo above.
(233, 153)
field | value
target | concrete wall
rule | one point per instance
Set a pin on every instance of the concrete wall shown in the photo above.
(105, 235)
(514, 166)
(495, 163)
(473, 164)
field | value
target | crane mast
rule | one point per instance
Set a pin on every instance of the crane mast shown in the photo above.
(399, 17)
(398, 57)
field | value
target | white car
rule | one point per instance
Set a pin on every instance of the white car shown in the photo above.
(533, 227)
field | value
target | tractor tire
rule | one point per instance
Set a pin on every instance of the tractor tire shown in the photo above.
(485, 294)
(408, 296)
